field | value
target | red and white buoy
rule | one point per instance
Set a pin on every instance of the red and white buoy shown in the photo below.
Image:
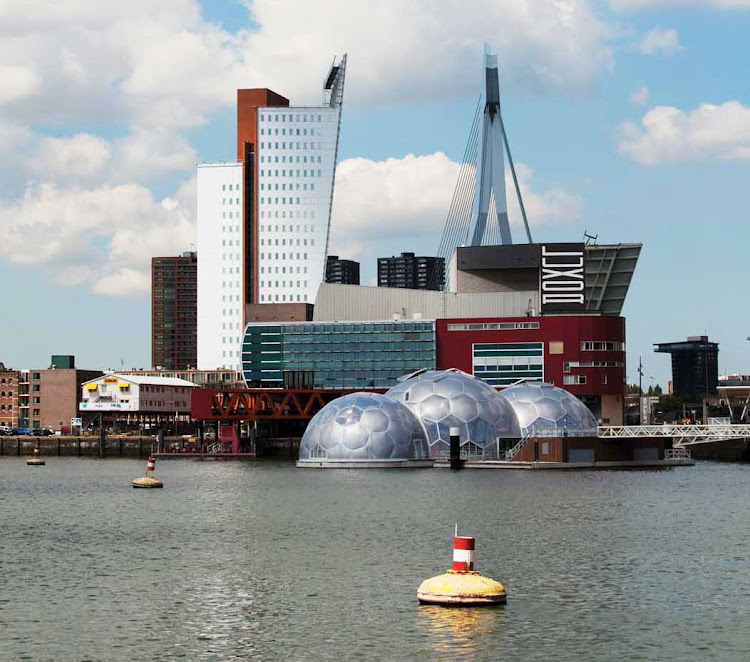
(462, 586)
(148, 480)
(463, 553)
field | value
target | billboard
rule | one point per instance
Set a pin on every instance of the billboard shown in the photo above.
(562, 286)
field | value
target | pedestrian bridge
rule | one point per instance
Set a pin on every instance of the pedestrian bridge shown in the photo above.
(683, 435)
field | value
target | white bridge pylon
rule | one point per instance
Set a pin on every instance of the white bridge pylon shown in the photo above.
(683, 435)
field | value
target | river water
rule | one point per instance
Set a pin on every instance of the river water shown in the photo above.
(263, 561)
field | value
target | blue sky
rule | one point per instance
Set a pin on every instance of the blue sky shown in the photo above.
(629, 119)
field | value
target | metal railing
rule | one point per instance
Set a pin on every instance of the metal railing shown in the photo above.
(677, 454)
(682, 434)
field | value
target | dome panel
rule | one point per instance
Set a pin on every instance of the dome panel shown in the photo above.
(451, 398)
(363, 426)
(546, 410)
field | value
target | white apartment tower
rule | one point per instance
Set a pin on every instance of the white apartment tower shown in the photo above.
(264, 220)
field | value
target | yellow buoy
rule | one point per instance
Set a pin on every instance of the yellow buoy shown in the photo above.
(467, 589)
(35, 461)
(462, 586)
(148, 481)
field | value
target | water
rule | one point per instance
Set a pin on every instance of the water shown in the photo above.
(265, 561)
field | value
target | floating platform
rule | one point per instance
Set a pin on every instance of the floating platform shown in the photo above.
(365, 464)
(624, 464)
(204, 456)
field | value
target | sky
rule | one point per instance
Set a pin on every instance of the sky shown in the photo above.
(628, 119)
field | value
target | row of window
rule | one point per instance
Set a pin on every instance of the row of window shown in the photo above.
(602, 346)
(289, 117)
(591, 364)
(493, 326)
(229, 229)
(236, 187)
(231, 201)
(291, 173)
(275, 242)
(230, 214)
(286, 187)
(292, 131)
(290, 159)
(292, 228)
(275, 283)
(291, 145)
(275, 256)
(268, 298)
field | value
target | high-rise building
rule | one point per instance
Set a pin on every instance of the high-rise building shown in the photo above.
(695, 365)
(9, 380)
(342, 272)
(411, 272)
(174, 327)
(263, 221)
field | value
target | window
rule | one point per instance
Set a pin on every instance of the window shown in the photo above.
(574, 379)
(556, 347)
(602, 346)
(496, 326)
(503, 364)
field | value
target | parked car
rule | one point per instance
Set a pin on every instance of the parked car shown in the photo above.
(6, 430)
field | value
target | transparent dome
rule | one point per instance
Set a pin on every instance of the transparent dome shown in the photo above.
(544, 410)
(443, 399)
(363, 426)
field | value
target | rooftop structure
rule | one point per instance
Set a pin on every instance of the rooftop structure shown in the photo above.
(411, 272)
(695, 365)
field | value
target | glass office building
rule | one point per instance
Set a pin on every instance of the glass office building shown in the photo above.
(336, 354)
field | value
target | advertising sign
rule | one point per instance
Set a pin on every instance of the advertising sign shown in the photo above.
(562, 278)
(106, 406)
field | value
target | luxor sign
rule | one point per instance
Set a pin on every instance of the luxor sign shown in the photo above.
(561, 278)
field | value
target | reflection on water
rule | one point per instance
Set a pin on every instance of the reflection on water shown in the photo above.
(260, 561)
(461, 632)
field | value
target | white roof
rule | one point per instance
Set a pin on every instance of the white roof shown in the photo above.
(144, 379)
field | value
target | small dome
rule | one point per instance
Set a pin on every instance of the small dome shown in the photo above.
(548, 411)
(443, 399)
(363, 426)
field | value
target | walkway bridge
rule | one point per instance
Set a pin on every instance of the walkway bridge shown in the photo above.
(682, 435)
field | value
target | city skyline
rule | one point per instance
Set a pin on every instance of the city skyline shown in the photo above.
(607, 137)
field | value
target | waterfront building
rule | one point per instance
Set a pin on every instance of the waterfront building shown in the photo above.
(411, 272)
(500, 325)
(48, 398)
(341, 272)
(134, 400)
(336, 354)
(174, 327)
(9, 380)
(216, 378)
(695, 365)
(263, 221)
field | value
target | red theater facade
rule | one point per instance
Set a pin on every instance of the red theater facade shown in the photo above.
(584, 354)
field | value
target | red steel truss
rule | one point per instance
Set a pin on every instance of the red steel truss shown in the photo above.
(234, 404)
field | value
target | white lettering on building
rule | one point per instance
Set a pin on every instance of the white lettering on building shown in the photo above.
(562, 277)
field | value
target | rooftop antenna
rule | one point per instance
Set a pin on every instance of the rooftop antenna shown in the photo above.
(589, 239)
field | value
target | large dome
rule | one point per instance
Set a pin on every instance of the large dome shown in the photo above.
(363, 426)
(544, 410)
(443, 399)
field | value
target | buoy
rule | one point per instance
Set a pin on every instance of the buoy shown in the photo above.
(35, 461)
(462, 586)
(148, 481)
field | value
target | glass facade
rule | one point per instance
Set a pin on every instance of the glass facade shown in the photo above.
(336, 354)
(503, 364)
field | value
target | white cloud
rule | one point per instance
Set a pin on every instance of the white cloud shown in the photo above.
(81, 156)
(709, 132)
(79, 200)
(399, 199)
(640, 96)
(659, 40)
(624, 5)
(97, 237)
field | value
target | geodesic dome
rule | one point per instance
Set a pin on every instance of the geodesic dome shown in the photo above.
(363, 426)
(443, 399)
(544, 410)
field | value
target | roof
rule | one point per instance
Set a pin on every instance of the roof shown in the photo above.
(145, 379)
